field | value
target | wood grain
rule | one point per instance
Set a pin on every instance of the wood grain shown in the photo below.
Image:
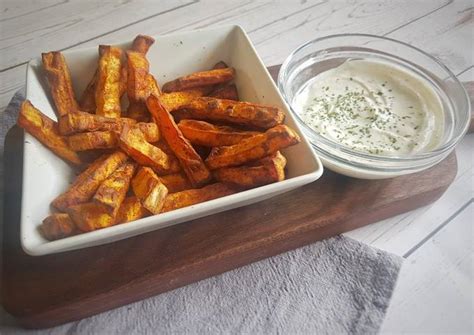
(49, 290)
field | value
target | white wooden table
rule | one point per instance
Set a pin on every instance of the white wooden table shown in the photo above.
(435, 292)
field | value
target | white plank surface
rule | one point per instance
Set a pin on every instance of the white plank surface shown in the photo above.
(436, 240)
(436, 287)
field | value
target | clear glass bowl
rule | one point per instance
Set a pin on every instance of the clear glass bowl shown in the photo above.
(325, 53)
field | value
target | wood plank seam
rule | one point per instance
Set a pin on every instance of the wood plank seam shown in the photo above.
(202, 19)
(35, 11)
(465, 70)
(399, 27)
(403, 217)
(112, 31)
(437, 229)
(284, 17)
(419, 18)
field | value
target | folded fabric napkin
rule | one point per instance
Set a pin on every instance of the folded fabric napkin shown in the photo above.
(336, 286)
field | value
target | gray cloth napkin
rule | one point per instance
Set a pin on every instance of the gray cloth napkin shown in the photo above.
(336, 286)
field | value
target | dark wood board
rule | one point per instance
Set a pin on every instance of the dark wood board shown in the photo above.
(49, 290)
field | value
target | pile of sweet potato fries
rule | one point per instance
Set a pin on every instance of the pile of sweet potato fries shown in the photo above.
(189, 142)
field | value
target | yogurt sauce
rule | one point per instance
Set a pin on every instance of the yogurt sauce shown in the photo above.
(372, 107)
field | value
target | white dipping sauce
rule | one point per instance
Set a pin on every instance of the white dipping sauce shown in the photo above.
(372, 107)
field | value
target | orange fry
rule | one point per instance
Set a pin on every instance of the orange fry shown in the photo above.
(149, 189)
(209, 135)
(199, 79)
(58, 225)
(87, 101)
(87, 183)
(77, 122)
(46, 131)
(194, 196)
(150, 131)
(176, 182)
(131, 210)
(60, 83)
(109, 139)
(112, 191)
(139, 85)
(252, 148)
(90, 216)
(267, 170)
(236, 112)
(138, 111)
(191, 162)
(141, 43)
(228, 92)
(107, 91)
(138, 68)
(176, 100)
(225, 90)
(134, 144)
(93, 140)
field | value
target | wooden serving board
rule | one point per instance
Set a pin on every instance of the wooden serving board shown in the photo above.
(49, 290)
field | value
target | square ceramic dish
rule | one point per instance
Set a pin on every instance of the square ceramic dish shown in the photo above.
(45, 176)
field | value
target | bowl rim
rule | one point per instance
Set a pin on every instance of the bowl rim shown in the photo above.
(421, 156)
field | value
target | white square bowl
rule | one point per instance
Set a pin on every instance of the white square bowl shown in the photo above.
(45, 175)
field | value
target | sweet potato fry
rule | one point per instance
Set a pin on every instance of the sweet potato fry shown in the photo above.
(108, 139)
(199, 79)
(191, 162)
(87, 183)
(141, 43)
(46, 131)
(176, 100)
(163, 146)
(87, 101)
(224, 90)
(194, 196)
(107, 91)
(236, 112)
(131, 210)
(138, 69)
(209, 135)
(113, 190)
(58, 225)
(154, 88)
(138, 111)
(90, 216)
(134, 144)
(176, 182)
(149, 189)
(77, 122)
(60, 83)
(139, 85)
(220, 65)
(265, 171)
(93, 140)
(228, 92)
(150, 131)
(252, 148)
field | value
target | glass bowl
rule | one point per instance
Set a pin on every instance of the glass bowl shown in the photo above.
(325, 53)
